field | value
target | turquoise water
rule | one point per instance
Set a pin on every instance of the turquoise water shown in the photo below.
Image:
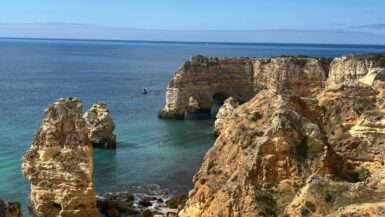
(34, 73)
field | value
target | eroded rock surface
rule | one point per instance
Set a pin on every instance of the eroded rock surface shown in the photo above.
(261, 149)
(59, 164)
(209, 80)
(362, 68)
(297, 149)
(224, 114)
(100, 126)
(10, 208)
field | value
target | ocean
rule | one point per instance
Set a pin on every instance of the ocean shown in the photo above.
(34, 73)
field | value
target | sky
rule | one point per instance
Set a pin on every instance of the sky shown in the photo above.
(294, 21)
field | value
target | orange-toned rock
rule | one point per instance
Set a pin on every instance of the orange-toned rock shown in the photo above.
(297, 149)
(210, 79)
(59, 164)
(275, 142)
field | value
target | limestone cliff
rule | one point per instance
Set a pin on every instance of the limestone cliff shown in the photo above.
(209, 80)
(274, 142)
(363, 68)
(59, 164)
(10, 209)
(224, 114)
(100, 126)
(297, 148)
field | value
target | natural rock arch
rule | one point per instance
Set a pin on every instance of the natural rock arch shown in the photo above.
(203, 77)
(218, 100)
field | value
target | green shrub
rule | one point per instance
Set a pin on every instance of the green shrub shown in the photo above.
(356, 175)
(308, 148)
(266, 203)
(378, 59)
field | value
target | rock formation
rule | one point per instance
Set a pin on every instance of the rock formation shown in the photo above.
(363, 68)
(59, 164)
(274, 142)
(100, 126)
(224, 114)
(10, 209)
(308, 139)
(210, 80)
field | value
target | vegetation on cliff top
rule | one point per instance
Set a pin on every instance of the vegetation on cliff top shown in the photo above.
(377, 58)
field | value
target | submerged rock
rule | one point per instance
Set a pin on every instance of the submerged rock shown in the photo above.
(59, 164)
(10, 209)
(100, 126)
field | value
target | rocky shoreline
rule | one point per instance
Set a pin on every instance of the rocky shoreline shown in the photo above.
(297, 136)
(10, 208)
(152, 202)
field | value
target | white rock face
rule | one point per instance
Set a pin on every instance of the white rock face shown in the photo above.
(356, 69)
(224, 114)
(193, 104)
(100, 126)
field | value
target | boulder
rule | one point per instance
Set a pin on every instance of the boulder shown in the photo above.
(10, 208)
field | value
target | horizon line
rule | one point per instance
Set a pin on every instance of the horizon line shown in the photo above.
(182, 42)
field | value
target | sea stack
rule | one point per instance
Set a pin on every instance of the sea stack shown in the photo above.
(10, 209)
(100, 126)
(59, 164)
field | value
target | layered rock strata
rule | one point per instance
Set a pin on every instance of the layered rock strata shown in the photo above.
(296, 150)
(100, 126)
(274, 142)
(59, 164)
(210, 80)
(10, 209)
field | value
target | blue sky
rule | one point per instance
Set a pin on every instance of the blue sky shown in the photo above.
(207, 20)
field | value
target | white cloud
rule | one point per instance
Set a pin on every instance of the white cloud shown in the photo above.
(85, 31)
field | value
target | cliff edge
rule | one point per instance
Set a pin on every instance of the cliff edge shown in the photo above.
(307, 139)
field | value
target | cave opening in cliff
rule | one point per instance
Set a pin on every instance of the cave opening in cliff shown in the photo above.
(218, 100)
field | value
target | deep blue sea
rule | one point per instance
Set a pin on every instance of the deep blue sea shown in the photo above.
(34, 73)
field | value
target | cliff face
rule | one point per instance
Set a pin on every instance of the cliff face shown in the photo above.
(224, 114)
(363, 68)
(299, 150)
(100, 126)
(204, 79)
(303, 76)
(59, 164)
(10, 209)
(209, 81)
(274, 142)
